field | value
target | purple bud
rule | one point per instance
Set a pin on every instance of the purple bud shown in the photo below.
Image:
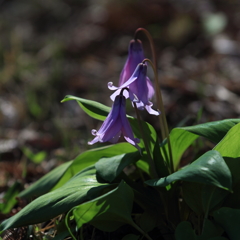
(135, 56)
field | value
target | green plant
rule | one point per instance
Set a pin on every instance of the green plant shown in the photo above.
(142, 185)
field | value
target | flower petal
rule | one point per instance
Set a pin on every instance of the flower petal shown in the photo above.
(116, 93)
(140, 105)
(116, 137)
(111, 86)
(111, 126)
(96, 139)
(135, 56)
(125, 85)
(151, 111)
(140, 86)
(112, 130)
(127, 130)
(150, 87)
(112, 116)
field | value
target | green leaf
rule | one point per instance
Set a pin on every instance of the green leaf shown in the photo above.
(143, 165)
(160, 162)
(148, 220)
(180, 141)
(108, 212)
(9, 199)
(234, 166)
(184, 231)
(131, 237)
(82, 187)
(210, 169)
(91, 157)
(201, 197)
(229, 220)
(182, 137)
(34, 157)
(229, 149)
(229, 146)
(109, 169)
(233, 200)
(44, 184)
(214, 131)
(147, 129)
(93, 109)
(192, 196)
(211, 230)
(151, 139)
(62, 231)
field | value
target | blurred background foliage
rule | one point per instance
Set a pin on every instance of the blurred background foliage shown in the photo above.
(49, 49)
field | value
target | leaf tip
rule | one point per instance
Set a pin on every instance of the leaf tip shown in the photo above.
(66, 98)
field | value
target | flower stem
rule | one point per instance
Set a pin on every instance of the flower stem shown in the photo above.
(207, 209)
(157, 87)
(163, 124)
(162, 116)
(150, 159)
(142, 232)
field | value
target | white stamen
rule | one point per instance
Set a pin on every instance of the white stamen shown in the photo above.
(94, 132)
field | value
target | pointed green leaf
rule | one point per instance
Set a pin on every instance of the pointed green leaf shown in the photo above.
(9, 199)
(234, 166)
(192, 196)
(182, 137)
(44, 184)
(109, 169)
(211, 230)
(34, 157)
(148, 220)
(214, 131)
(201, 197)
(210, 168)
(229, 220)
(79, 189)
(94, 109)
(229, 146)
(91, 157)
(143, 165)
(109, 211)
(180, 141)
(64, 172)
(151, 139)
(233, 199)
(184, 231)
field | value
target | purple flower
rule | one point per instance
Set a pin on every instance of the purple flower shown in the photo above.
(140, 89)
(135, 56)
(115, 124)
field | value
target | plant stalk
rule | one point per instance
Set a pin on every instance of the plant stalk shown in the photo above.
(162, 116)
(150, 159)
(207, 209)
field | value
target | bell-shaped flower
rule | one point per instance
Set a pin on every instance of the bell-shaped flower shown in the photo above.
(115, 124)
(135, 56)
(140, 89)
